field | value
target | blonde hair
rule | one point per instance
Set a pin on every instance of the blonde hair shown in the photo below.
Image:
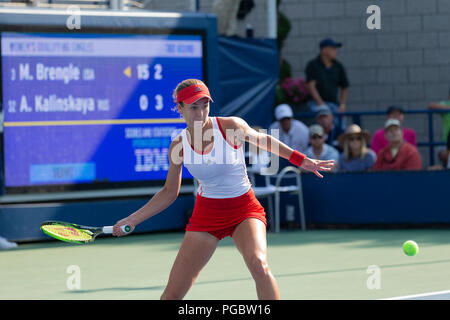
(180, 86)
(347, 152)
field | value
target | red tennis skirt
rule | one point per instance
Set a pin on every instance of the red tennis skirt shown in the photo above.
(220, 217)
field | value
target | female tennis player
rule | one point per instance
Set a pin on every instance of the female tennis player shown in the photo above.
(225, 203)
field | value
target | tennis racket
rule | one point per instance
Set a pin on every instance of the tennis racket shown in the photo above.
(75, 233)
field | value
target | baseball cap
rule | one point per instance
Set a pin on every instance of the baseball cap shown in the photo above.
(391, 109)
(283, 111)
(391, 122)
(323, 110)
(193, 93)
(328, 42)
(316, 129)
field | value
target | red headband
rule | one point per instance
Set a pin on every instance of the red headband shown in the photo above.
(193, 93)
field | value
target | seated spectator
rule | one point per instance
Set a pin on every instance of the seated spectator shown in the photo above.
(444, 157)
(292, 132)
(319, 149)
(447, 157)
(356, 156)
(399, 154)
(379, 140)
(443, 105)
(325, 119)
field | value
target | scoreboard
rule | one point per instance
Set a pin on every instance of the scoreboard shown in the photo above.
(86, 108)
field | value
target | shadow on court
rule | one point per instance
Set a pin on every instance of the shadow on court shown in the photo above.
(249, 278)
(159, 238)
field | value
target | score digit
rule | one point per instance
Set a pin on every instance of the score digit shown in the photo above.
(159, 102)
(143, 72)
(143, 102)
(158, 71)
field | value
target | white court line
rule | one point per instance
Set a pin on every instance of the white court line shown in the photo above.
(419, 295)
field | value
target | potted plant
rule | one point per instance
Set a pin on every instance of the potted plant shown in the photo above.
(294, 92)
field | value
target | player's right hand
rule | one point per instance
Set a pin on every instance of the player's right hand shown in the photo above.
(117, 231)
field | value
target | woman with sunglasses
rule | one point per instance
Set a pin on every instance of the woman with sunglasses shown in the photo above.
(211, 149)
(356, 156)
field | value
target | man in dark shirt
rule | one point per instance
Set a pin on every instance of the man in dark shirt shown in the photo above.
(324, 76)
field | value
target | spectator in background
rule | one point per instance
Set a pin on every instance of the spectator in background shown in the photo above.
(325, 119)
(324, 76)
(399, 154)
(379, 140)
(319, 149)
(356, 156)
(292, 132)
(443, 105)
(5, 244)
(444, 157)
(226, 11)
(447, 156)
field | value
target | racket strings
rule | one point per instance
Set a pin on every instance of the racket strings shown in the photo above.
(69, 233)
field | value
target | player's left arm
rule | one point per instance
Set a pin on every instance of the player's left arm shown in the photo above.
(243, 132)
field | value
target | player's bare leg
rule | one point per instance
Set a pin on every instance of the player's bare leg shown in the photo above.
(195, 251)
(250, 239)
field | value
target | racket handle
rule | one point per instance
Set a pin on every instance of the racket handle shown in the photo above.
(109, 229)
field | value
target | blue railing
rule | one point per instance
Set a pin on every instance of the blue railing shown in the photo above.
(356, 117)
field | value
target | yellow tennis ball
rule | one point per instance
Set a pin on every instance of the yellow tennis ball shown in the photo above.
(410, 248)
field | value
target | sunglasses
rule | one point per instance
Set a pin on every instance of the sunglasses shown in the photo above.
(355, 138)
(316, 136)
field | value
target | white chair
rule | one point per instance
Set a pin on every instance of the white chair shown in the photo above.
(274, 190)
(293, 189)
(270, 190)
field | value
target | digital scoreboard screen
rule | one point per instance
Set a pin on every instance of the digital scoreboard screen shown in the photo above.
(85, 109)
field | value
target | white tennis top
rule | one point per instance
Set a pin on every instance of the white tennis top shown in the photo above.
(221, 173)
